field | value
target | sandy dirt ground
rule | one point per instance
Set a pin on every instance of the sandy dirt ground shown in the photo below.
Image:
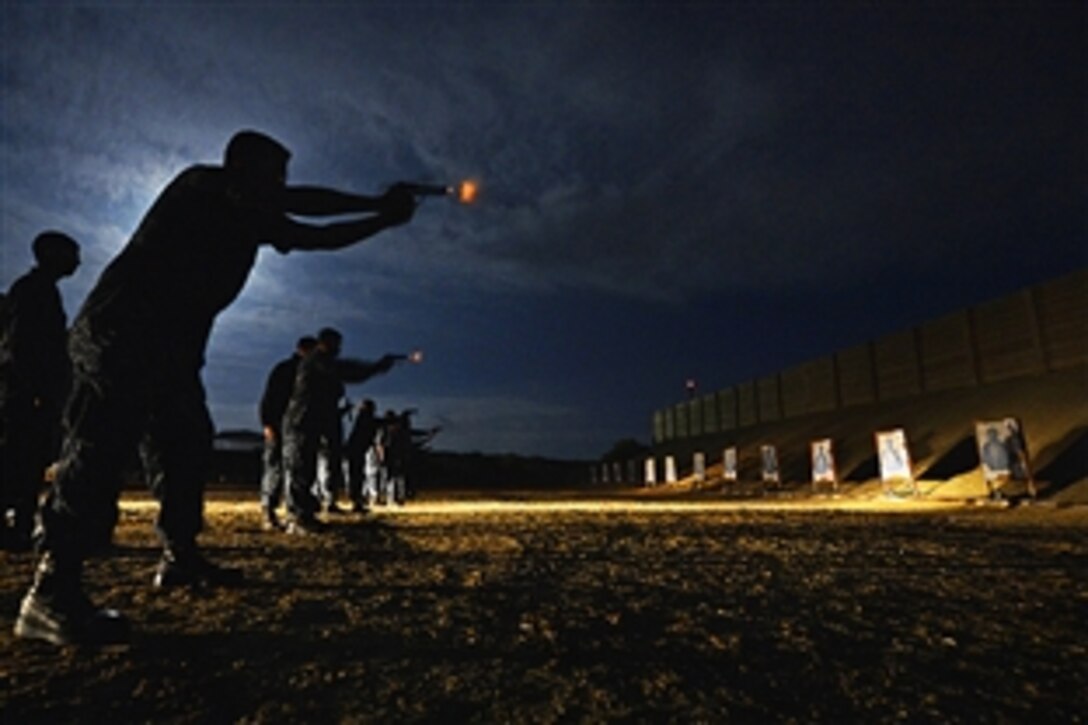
(621, 612)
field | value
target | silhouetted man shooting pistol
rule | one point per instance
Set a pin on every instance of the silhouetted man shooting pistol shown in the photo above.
(137, 348)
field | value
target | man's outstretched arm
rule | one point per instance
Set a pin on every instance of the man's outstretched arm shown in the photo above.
(349, 370)
(320, 201)
(295, 235)
(393, 208)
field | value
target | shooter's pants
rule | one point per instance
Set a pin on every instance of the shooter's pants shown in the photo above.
(27, 442)
(330, 474)
(300, 472)
(129, 392)
(272, 473)
(395, 487)
(374, 477)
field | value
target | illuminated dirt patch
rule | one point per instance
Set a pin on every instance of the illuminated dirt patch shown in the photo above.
(520, 611)
(482, 506)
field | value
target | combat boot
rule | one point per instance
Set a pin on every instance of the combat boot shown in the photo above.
(56, 610)
(187, 567)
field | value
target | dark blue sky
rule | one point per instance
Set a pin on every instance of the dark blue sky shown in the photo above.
(671, 190)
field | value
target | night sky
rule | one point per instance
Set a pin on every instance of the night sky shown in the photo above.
(669, 190)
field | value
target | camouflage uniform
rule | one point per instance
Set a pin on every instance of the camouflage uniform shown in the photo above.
(277, 393)
(137, 349)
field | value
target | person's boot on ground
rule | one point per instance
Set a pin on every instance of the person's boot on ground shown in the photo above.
(56, 610)
(269, 520)
(185, 566)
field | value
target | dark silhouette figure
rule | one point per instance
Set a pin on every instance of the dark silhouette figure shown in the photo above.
(35, 375)
(312, 421)
(410, 444)
(137, 348)
(356, 450)
(277, 393)
(396, 445)
(389, 455)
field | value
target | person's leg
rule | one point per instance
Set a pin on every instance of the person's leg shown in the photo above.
(321, 477)
(300, 470)
(355, 481)
(272, 480)
(334, 476)
(390, 475)
(102, 423)
(370, 473)
(176, 455)
(399, 490)
(21, 476)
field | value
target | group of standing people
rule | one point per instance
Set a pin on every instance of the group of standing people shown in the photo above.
(381, 456)
(134, 355)
(301, 412)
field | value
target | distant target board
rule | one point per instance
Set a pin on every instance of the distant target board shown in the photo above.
(823, 462)
(1003, 453)
(651, 472)
(729, 464)
(769, 456)
(698, 465)
(1001, 449)
(894, 458)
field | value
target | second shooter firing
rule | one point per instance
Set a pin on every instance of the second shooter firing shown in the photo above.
(415, 357)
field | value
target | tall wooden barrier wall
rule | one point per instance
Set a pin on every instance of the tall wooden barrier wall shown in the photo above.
(1033, 331)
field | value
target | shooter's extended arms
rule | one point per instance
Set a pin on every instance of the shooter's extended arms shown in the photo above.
(427, 189)
(464, 192)
(416, 356)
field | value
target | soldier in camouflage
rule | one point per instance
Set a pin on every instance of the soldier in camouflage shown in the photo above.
(277, 393)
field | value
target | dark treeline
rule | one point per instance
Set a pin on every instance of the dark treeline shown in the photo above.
(441, 470)
(239, 466)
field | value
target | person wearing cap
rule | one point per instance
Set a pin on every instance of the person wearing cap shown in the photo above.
(137, 348)
(35, 374)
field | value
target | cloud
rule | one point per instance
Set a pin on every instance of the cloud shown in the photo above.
(616, 156)
(637, 153)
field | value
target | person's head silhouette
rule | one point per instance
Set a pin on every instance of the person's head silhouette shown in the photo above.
(330, 340)
(56, 253)
(260, 161)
